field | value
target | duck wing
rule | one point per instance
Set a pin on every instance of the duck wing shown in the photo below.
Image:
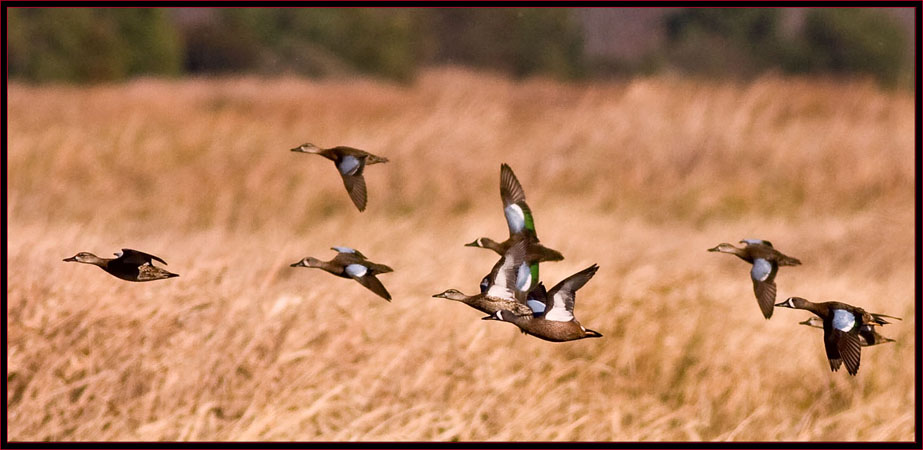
(847, 344)
(365, 277)
(518, 215)
(351, 168)
(134, 257)
(830, 346)
(763, 275)
(511, 276)
(559, 303)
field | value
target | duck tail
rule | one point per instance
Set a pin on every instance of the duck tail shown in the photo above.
(789, 261)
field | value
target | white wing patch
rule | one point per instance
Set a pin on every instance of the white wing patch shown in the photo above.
(761, 269)
(559, 312)
(356, 270)
(523, 277)
(497, 290)
(348, 165)
(843, 320)
(344, 249)
(752, 241)
(119, 254)
(515, 217)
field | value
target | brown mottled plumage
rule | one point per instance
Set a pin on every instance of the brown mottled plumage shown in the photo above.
(130, 265)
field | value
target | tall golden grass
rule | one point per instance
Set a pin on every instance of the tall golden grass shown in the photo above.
(639, 176)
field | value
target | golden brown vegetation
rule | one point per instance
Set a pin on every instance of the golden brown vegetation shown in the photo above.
(639, 176)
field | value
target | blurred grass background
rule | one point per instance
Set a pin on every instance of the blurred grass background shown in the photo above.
(637, 173)
(640, 177)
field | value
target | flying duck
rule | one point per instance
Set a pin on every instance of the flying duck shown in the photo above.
(504, 287)
(843, 326)
(350, 163)
(350, 263)
(130, 265)
(867, 334)
(557, 322)
(520, 222)
(766, 261)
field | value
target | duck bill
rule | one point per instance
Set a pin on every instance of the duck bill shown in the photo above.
(71, 259)
(491, 317)
(713, 249)
(472, 244)
(297, 264)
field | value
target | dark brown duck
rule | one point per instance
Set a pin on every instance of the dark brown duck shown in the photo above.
(843, 325)
(130, 265)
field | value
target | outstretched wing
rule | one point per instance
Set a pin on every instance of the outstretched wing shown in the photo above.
(847, 344)
(763, 275)
(134, 257)
(830, 346)
(559, 304)
(364, 276)
(517, 212)
(355, 187)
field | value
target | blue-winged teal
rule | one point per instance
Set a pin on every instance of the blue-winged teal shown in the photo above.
(842, 325)
(349, 263)
(504, 288)
(129, 264)
(520, 222)
(766, 261)
(557, 322)
(867, 334)
(350, 163)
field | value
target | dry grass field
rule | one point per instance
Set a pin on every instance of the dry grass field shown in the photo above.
(640, 176)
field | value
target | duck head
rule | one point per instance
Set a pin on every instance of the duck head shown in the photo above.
(479, 242)
(306, 262)
(793, 302)
(306, 148)
(502, 315)
(84, 257)
(451, 294)
(723, 247)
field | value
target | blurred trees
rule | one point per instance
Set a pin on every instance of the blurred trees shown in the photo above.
(84, 44)
(747, 41)
(98, 44)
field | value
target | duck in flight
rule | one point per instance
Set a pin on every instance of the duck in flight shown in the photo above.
(766, 261)
(844, 328)
(130, 265)
(350, 263)
(350, 163)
